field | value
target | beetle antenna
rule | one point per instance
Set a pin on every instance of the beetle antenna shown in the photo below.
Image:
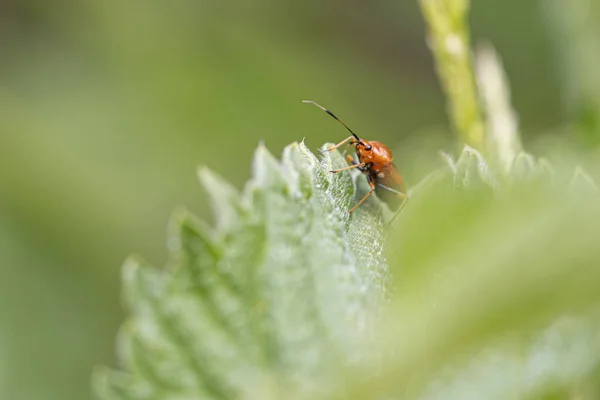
(336, 118)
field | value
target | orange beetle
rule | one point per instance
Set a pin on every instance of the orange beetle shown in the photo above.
(376, 161)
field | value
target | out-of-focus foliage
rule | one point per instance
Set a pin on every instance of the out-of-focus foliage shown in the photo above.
(108, 106)
(577, 35)
(503, 142)
(496, 286)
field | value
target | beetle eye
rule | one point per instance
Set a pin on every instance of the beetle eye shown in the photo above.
(368, 147)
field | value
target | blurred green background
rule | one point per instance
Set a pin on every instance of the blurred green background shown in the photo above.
(108, 106)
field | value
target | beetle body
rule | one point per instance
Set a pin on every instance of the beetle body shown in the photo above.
(376, 161)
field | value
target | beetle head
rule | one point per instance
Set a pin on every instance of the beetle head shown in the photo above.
(373, 152)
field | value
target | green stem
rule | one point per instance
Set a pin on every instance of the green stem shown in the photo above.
(449, 42)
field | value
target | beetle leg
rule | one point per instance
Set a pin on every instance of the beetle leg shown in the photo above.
(370, 192)
(399, 210)
(348, 139)
(363, 168)
(399, 194)
(357, 165)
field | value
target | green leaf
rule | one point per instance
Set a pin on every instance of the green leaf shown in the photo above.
(582, 182)
(552, 362)
(471, 170)
(287, 296)
(495, 296)
(266, 303)
(524, 167)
